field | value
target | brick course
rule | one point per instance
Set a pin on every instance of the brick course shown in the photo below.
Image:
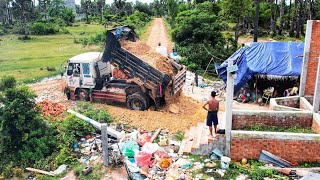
(292, 150)
(313, 59)
(240, 121)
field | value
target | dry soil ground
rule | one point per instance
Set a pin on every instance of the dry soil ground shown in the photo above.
(190, 108)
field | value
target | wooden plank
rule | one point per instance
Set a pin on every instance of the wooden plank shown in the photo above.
(155, 135)
(182, 146)
(40, 171)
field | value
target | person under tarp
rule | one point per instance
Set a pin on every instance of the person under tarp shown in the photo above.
(278, 59)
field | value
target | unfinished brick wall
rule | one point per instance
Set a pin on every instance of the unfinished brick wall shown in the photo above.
(279, 119)
(313, 59)
(292, 150)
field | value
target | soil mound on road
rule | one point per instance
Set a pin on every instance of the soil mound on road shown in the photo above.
(144, 52)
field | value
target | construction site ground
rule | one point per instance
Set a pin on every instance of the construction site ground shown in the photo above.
(187, 111)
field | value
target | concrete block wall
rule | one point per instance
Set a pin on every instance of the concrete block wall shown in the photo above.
(313, 57)
(305, 104)
(294, 147)
(283, 119)
(285, 104)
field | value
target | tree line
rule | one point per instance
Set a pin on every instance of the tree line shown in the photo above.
(208, 31)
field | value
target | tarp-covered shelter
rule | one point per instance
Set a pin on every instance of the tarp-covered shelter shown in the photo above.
(271, 59)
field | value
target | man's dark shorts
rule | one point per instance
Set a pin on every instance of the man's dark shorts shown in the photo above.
(212, 118)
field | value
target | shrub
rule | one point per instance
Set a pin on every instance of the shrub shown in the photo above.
(24, 136)
(40, 28)
(7, 82)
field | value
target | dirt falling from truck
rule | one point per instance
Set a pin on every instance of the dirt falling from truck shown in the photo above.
(148, 55)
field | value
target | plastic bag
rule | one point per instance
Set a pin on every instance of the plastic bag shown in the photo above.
(128, 148)
(143, 159)
(132, 166)
(143, 139)
(150, 147)
(164, 163)
(161, 154)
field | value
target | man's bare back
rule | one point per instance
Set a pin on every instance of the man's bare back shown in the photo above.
(213, 105)
(213, 108)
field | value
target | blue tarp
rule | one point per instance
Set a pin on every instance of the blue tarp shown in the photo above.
(264, 58)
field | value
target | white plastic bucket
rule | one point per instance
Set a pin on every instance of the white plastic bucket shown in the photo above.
(225, 161)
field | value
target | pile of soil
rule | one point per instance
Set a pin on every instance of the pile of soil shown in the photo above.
(145, 53)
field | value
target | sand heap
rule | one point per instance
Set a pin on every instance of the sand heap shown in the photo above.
(145, 53)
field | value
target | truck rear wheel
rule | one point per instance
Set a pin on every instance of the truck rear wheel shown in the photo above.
(137, 101)
(83, 95)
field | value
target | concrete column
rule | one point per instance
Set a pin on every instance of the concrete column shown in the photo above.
(316, 97)
(303, 76)
(104, 138)
(230, 90)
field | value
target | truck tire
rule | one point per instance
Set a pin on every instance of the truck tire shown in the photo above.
(83, 95)
(137, 101)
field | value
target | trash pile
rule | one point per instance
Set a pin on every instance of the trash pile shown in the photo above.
(89, 148)
(146, 159)
(50, 108)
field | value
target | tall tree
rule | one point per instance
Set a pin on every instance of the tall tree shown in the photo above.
(282, 6)
(172, 6)
(236, 11)
(24, 13)
(100, 6)
(294, 19)
(256, 21)
(85, 7)
(273, 17)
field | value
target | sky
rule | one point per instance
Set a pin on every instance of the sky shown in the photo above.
(111, 1)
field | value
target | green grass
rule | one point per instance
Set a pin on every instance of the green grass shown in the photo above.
(293, 129)
(143, 31)
(23, 59)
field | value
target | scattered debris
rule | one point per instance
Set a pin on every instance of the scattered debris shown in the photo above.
(216, 154)
(221, 172)
(60, 169)
(267, 157)
(225, 161)
(312, 176)
(86, 170)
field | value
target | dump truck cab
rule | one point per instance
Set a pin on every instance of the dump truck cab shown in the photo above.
(84, 70)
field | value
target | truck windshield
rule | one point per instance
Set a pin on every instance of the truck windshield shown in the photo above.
(73, 69)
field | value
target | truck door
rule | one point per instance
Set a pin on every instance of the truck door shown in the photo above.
(87, 76)
(73, 75)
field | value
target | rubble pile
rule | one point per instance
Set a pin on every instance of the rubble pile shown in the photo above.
(50, 108)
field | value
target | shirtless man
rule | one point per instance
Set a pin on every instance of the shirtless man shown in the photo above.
(213, 109)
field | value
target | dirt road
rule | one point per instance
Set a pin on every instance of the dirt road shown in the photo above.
(158, 34)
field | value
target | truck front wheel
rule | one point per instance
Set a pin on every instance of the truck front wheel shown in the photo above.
(83, 95)
(137, 101)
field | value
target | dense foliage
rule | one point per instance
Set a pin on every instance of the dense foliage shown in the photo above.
(24, 135)
(198, 36)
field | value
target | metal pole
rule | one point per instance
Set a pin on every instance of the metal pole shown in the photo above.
(230, 89)
(104, 138)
